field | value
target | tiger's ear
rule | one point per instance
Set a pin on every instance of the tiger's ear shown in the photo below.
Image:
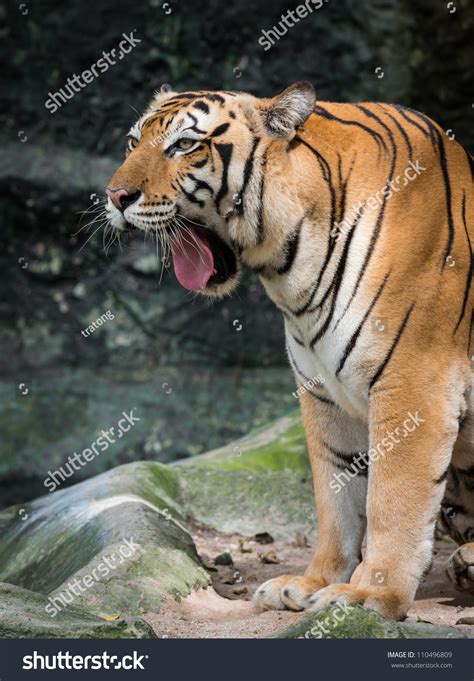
(289, 109)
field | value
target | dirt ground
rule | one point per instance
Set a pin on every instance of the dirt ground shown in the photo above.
(225, 611)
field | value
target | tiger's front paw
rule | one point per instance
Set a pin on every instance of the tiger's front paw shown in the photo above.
(287, 592)
(461, 568)
(383, 600)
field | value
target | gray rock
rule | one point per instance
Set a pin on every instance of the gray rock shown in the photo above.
(112, 545)
(23, 615)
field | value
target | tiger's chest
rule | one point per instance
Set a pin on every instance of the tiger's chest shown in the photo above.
(318, 365)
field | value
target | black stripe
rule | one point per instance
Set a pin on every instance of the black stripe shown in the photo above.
(225, 152)
(260, 210)
(327, 176)
(201, 184)
(354, 224)
(291, 248)
(353, 340)
(170, 120)
(432, 129)
(342, 191)
(297, 340)
(323, 399)
(470, 271)
(183, 95)
(149, 121)
(373, 115)
(402, 111)
(214, 98)
(343, 182)
(349, 459)
(190, 196)
(248, 170)
(201, 105)
(294, 365)
(319, 110)
(447, 191)
(199, 164)
(437, 140)
(297, 370)
(195, 122)
(380, 217)
(402, 130)
(335, 286)
(201, 94)
(220, 130)
(399, 333)
(429, 123)
(340, 454)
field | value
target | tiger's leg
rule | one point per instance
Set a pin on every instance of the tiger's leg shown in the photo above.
(406, 487)
(457, 510)
(461, 568)
(332, 437)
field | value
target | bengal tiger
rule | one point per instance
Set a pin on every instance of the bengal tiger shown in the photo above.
(358, 219)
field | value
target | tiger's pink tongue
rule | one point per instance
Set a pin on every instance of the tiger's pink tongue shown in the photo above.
(192, 260)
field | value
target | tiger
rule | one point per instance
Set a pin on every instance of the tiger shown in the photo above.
(358, 220)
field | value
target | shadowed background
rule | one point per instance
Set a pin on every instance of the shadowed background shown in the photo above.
(197, 373)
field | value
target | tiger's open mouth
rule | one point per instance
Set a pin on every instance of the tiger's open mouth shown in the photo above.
(201, 259)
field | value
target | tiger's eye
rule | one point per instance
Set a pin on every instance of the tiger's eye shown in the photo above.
(184, 143)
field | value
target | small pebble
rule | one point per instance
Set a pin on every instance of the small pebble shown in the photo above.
(223, 559)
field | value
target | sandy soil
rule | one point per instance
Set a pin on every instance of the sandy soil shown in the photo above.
(225, 611)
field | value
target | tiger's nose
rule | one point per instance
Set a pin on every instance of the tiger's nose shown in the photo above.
(122, 198)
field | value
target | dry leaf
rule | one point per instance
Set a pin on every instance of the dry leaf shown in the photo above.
(269, 557)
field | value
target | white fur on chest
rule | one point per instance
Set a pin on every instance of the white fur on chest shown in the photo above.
(350, 388)
(349, 391)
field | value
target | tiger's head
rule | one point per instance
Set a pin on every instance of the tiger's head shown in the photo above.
(194, 173)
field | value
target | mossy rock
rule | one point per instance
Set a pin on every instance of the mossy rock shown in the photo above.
(52, 544)
(23, 615)
(358, 622)
(60, 539)
(261, 483)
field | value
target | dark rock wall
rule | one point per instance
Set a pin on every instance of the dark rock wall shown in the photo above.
(423, 47)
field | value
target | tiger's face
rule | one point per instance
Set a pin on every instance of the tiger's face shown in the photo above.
(193, 167)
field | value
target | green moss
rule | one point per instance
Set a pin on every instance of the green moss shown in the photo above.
(280, 446)
(359, 622)
(289, 452)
